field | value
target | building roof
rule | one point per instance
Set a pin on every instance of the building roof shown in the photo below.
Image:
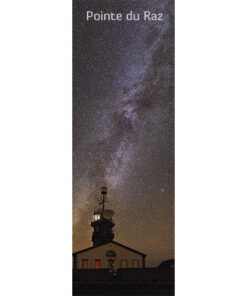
(167, 264)
(118, 244)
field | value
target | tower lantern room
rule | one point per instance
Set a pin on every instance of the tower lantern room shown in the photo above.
(102, 222)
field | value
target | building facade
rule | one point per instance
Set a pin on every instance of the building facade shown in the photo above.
(105, 252)
(111, 255)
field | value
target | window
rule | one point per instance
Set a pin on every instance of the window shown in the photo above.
(135, 263)
(96, 217)
(84, 263)
(97, 263)
(110, 253)
(123, 264)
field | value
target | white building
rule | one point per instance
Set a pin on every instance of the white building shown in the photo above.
(106, 253)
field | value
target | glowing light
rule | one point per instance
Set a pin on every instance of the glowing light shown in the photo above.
(96, 217)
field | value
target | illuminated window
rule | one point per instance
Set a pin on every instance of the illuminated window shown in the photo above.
(97, 263)
(96, 217)
(85, 263)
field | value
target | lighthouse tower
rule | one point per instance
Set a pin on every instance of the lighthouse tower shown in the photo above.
(105, 250)
(102, 222)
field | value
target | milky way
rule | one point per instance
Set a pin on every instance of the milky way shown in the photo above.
(123, 125)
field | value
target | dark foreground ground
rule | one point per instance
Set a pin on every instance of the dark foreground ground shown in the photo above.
(128, 281)
(123, 289)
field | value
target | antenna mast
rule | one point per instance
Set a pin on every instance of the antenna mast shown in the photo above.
(103, 194)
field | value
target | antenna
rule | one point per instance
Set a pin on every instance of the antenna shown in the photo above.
(103, 195)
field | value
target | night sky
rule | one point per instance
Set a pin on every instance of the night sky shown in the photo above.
(123, 125)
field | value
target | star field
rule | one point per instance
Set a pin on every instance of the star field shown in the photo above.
(123, 125)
